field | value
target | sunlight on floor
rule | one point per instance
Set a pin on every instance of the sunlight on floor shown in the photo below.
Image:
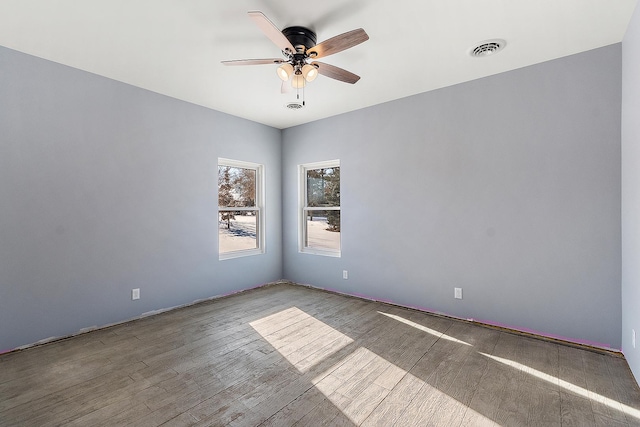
(303, 340)
(360, 383)
(362, 386)
(568, 386)
(424, 328)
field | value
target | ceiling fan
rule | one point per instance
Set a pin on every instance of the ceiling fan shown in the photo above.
(298, 45)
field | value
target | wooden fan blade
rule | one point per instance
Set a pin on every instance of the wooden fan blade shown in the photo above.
(285, 87)
(271, 31)
(254, 61)
(336, 72)
(338, 43)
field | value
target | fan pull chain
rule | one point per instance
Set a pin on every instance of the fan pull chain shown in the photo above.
(298, 95)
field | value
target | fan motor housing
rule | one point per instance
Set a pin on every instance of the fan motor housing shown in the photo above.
(300, 36)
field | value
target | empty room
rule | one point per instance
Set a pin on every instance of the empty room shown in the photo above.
(344, 213)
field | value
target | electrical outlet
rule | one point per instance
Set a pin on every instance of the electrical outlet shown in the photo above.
(457, 293)
(345, 274)
(633, 338)
(135, 293)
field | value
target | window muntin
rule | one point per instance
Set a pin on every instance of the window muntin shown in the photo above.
(320, 208)
(240, 212)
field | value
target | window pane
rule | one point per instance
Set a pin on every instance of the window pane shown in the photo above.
(323, 187)
(237, 231)
(236, 186)
(323, 230)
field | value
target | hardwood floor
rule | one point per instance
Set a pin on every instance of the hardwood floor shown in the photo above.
(289, 355)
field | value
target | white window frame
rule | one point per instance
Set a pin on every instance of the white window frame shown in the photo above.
(303, 209)
(259, 208)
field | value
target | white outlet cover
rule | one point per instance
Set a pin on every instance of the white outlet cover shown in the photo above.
(457, 293)
(345, 274)
(135, 294)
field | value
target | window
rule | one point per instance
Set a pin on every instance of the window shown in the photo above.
(320, 208)
(240, 209)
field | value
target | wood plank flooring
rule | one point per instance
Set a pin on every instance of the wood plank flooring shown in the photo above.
(286, 355)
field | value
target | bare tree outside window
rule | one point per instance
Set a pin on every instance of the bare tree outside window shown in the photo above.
(321, 209)
(239, 211)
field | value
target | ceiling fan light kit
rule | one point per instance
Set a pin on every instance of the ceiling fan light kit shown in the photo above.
(285, 71)
(298, 81)
(298, 45)
(309, 72)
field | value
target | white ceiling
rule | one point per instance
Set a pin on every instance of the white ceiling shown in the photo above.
(174, 47)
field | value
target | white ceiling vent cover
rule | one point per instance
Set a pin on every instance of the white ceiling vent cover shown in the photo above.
(294, 105)
(487, 47)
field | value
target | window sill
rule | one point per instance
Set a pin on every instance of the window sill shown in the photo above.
(320, 252)
(239, 254)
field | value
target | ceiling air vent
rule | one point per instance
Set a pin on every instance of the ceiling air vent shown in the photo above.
(294, 105)
(487, 47)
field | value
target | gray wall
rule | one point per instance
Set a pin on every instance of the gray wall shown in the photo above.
(105, 187)
(631, 192)
(507, 186)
